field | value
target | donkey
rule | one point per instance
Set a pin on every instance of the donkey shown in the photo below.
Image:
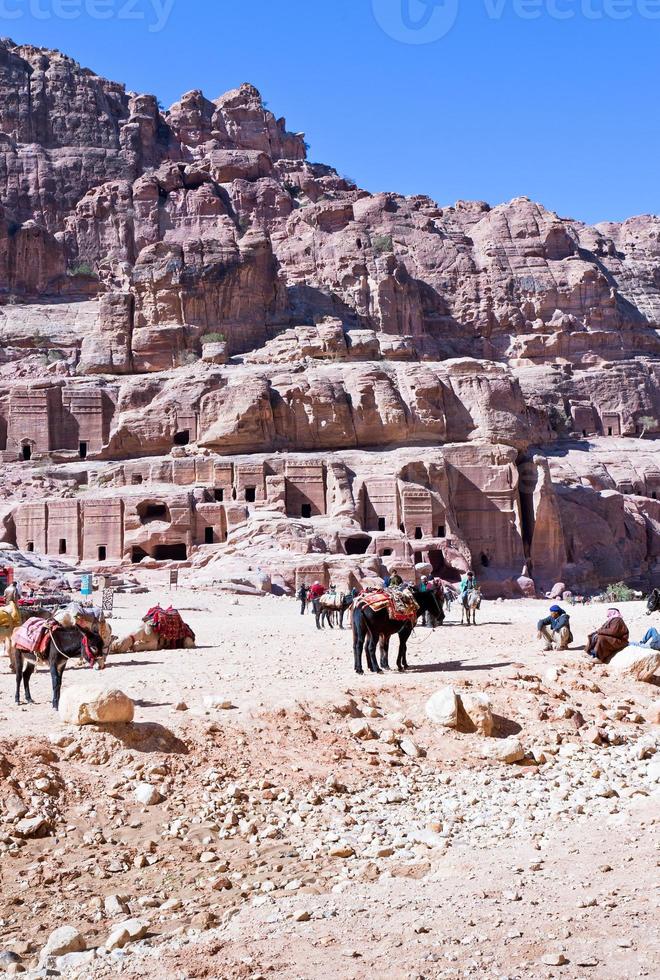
(64, 645)
(653, 603)
(470, 602)
(333, 606)
(376, 628)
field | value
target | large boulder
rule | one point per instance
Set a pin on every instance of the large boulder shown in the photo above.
(639, 663)
(442, 708)
(477, 713)
(85, 706)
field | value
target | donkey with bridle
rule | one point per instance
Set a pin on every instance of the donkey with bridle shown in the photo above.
(333, 606)
(470, 602)
(63, 645)
(653, 602)
(375, 627)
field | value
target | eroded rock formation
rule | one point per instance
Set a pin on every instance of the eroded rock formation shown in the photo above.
(214, 349)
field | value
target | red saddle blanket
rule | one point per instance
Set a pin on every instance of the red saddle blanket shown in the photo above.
(34, 635)
(169, 625)
(400, 606)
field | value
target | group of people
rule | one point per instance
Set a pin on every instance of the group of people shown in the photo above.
(307, 595)
(603, 644)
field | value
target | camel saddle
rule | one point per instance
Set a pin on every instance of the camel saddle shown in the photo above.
(400, 605)
(169, 625)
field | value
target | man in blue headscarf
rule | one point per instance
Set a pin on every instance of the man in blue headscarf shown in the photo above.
(555, 629)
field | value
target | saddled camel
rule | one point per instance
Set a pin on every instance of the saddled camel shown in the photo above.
(148, 638)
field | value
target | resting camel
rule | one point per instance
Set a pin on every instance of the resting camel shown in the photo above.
(147, 640)
(470, 602)
(64, 645)
(376, 628)
(334, 604)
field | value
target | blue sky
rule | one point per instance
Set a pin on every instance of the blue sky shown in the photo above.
(553, 99)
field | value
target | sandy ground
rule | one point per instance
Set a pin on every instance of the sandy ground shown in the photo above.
(449, 865)
(262, 654)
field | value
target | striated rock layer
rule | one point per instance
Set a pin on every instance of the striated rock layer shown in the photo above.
(216, 350)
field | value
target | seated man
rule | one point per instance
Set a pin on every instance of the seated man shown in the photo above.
(395, 580)
(611, 638)
(556, 629)
(651, 640)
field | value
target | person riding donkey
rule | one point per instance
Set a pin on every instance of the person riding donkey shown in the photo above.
(556, 629)
(468, 583)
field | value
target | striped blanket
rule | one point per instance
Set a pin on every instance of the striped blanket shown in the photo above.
(168, 624)
(400, 605)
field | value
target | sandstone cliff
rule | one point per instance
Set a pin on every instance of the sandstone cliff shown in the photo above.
(187, 301)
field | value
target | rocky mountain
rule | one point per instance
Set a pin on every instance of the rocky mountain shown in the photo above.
(215, 350)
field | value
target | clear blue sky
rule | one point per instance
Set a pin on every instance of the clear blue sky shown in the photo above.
(563, 111)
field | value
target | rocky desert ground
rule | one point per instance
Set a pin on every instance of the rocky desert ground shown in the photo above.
(270, 813)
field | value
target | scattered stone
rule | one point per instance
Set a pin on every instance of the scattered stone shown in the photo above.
(147, 795)
(136, 928)
(360, 728)
(33, 827)
(508, 750)
(218, 702)
(64, 940)
(117, 939)
(554, 959)
(410, 748)
(75, 961)
(115, 906)
(10, 962)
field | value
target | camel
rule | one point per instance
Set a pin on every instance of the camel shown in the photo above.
(10, 618)
(470, 602)
(376, 627)
(148, 638)
(63, 645)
